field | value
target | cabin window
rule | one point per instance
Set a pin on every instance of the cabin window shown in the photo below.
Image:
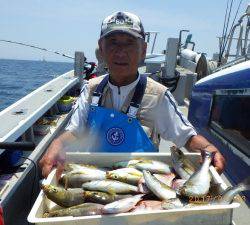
(230, 118)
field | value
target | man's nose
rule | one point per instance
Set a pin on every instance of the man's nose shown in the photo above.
(121, 50)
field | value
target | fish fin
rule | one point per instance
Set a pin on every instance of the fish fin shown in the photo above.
(111, 191)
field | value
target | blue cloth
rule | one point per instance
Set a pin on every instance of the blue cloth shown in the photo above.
(113, 131)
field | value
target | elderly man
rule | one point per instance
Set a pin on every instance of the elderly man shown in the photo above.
(125, 111)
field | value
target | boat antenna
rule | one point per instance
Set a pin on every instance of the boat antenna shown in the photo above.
(225, 28)
(224, 47)
(43, 49)
(223, 32)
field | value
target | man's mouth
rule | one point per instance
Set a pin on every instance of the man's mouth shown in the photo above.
(121, 64)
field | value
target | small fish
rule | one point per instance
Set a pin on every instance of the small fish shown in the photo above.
(199, 183)
(148, 205)
(86, 209)
(124, 164)
(229, 194)
(161, 190)
(182, 165)
(76, 178)
(102, 197)
(73, 166)
(178, 183)
(62, 197)
(110, 186)
(126, 175)
(173, 203)
(50, 205)
(165, 178)
(123, 205)
(152, 166)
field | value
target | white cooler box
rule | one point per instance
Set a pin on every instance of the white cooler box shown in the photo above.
(201, 215)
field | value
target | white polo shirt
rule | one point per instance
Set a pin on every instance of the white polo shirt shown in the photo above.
(170, 123)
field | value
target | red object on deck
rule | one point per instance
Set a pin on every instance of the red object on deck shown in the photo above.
(1, 216)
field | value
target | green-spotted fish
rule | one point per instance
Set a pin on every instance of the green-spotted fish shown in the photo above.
(62, 197)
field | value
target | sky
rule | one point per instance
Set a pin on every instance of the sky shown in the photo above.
(68, 26)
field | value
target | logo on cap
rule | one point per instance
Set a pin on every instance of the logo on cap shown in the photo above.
(115, 136)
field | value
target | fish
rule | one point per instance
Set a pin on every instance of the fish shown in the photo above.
(148, 205)
(73, 166)
(102, 197)
(199, 182)
(123, 205)
(141, 164)
(126, 175)
(125, 164)
(76, 178)
(50, 205)
(173, 203)
(110, 186)
(182, 165)
(160, 189)
(85, 209)
(165, 178)
(229, 194)
(178, 183)
(62, 197)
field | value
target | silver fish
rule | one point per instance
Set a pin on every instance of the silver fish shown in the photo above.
(123, 205)
(152, 166)
(110, 186)
(86, 209)
(229, 194)
(161, 190)
(126, 175)
(62, 197)
(73, 166)
(76, 178)
(182, 165)
(148, 205)
(165, 178)
(124, 164)
(199, 183)
(102, 197)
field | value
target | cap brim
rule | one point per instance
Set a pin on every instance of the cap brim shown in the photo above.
(126, 31)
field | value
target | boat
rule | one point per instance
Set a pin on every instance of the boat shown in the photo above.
(30, 124)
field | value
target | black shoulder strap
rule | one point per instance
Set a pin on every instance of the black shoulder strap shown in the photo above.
(139, 91)
(99, 89)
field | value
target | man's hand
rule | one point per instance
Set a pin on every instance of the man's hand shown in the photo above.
(199, 143)
(55, 155)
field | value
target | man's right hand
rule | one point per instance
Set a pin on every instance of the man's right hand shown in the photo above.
(55, 155)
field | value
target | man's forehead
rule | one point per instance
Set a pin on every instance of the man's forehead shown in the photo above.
(122, 36)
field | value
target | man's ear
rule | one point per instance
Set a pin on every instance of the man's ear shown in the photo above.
(144, 50)
(100, 44)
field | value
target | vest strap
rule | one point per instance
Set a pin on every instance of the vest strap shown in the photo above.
(97, 95)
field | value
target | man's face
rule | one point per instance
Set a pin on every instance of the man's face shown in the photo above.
(122, 53)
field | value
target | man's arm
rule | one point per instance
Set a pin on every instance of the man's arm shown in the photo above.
(198, 143)
(55, 154)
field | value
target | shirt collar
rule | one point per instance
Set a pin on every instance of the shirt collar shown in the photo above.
(125, 88)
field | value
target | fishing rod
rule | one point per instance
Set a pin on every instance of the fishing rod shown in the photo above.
(88, 66)
(43, 49)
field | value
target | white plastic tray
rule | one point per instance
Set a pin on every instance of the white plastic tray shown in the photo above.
(202, 215)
